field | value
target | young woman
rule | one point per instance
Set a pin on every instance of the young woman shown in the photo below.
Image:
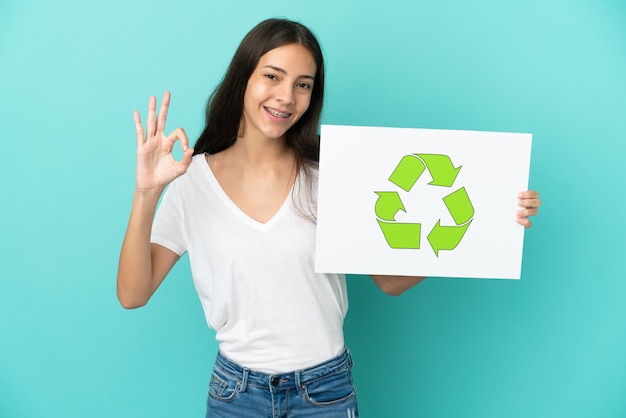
(245, 213)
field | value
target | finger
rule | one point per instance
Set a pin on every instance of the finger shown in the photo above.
(529, 203)
(526, 223)
(526, 213)
(151, 125)
(184, 163)
(165, 104)
(528, 194)
(138, 128)
(179, 134)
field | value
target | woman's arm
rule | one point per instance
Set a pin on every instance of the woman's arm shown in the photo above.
(143, 266)
(396, 285)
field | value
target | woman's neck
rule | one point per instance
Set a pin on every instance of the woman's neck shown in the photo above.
(260, 152)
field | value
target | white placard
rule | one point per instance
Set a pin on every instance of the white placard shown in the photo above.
(421, 202)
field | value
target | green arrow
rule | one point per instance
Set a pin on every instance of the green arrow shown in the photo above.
(387, 205)
(459, 206)
(441, 168)
(446, 237)
(407, 172)
(401, 235)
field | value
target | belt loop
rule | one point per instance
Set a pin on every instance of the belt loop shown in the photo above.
(350, 361)
(299, 385)
(244, 380)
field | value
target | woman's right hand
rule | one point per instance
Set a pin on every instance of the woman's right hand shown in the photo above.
(156, 167)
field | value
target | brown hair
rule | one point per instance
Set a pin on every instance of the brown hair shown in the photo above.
(224, 108)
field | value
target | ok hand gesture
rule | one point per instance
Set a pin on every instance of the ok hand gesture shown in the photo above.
(156, 167)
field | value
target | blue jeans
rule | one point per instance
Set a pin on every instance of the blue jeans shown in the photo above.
(325, 390)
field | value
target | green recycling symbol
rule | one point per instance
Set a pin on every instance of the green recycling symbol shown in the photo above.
(405, 175)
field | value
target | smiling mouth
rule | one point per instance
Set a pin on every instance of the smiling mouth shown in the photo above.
(276, 113)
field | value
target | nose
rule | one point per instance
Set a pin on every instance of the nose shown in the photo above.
(286, 93)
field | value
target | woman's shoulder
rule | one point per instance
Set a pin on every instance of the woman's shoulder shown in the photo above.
(194, 173)
(309, 173)
(312, 166)
(198, 163)
(198, 158)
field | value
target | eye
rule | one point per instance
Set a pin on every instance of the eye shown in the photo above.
(271, 76)
(305, 86)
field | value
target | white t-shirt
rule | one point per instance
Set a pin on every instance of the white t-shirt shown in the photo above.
(256, 281)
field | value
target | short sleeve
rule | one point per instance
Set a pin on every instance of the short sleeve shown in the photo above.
(168, 227)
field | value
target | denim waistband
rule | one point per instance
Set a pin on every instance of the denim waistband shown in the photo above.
(282, 381)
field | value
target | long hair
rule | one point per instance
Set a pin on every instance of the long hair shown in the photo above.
(224, 108)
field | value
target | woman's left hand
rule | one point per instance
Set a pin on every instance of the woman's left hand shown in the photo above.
(529, 202)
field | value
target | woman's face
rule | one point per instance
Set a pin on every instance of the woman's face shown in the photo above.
(278, 91)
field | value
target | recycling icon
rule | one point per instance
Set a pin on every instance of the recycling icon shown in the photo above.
(403, 235)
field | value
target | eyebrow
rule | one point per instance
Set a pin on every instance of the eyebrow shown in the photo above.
(280, 70)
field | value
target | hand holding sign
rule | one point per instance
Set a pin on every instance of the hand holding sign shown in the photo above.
(415, 189)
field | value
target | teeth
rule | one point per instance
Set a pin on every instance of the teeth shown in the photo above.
(277, 113)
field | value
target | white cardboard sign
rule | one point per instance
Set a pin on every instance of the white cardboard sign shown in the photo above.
(421, 202)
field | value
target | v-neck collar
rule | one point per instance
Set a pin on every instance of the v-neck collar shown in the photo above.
(261, 226)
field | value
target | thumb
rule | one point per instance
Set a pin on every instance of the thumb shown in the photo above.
(185, 162)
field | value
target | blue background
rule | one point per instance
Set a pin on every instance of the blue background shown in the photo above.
(550, 345)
